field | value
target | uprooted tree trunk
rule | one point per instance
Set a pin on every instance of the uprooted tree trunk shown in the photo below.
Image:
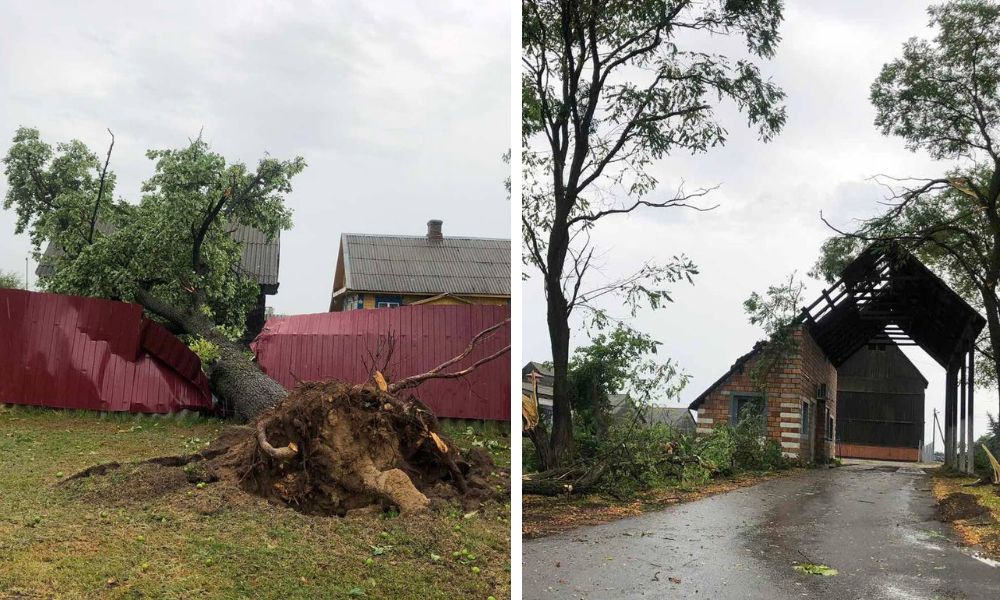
(244, 390)
(329, 447)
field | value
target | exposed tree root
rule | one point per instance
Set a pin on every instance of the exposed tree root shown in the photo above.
(330, 447)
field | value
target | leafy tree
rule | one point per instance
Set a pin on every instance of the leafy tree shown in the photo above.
(10, 281)
(171, 252)
(622, 361)
(941, 97)
(607, 88)
(775, 312)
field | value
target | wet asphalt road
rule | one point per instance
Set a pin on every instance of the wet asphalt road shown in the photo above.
(873, 524)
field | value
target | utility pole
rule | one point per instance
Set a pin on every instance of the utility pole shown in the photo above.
(934, 433)
(25, 273)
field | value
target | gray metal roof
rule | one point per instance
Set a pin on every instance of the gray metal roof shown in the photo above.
(260, 256)
(678, 417)
(418, 265)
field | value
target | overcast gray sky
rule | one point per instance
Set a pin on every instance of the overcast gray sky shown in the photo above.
(767, 224)
(401, 109)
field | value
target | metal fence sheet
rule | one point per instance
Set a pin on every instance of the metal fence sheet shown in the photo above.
(86, 353)
(337, 345)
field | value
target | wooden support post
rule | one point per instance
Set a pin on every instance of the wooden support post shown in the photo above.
(949, 418)
(963, 447)
(971, 468)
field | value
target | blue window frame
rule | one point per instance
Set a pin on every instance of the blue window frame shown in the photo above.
(742, 405)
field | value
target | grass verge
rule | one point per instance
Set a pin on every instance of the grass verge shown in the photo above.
(547, 515)
(974, 511)
(215, 541)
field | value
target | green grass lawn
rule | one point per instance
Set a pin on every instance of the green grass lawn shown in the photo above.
(113, 539)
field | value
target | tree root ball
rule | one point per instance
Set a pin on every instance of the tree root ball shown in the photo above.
(329, 447)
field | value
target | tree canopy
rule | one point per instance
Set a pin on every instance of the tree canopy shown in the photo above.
(608, 87)
(173, 245)
(9, 280)
(621, 361)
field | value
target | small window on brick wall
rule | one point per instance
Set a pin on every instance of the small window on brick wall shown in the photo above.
(829, 426)
(742, 406)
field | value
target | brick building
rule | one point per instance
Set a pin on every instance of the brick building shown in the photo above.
(884, 296)
(797, 397)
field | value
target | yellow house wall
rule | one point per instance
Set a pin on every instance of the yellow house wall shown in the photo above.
(453, 300)
(369, 300)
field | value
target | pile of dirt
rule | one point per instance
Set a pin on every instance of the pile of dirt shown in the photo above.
(329, 448)
(959, 506)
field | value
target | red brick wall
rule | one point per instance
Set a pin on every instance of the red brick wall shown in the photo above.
(790, 382)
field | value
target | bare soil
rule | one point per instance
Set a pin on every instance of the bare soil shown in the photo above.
(959, 506)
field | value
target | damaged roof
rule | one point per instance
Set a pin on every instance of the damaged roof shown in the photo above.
(885, 295)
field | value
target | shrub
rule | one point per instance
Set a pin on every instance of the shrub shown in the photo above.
(643, 454)
(207, 351)
(754, 451)
(717, 450)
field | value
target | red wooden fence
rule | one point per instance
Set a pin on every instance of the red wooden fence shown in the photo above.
(73, 352)
(337, 345)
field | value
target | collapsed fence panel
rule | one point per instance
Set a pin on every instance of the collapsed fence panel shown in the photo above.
(86, 353)
(401, 342)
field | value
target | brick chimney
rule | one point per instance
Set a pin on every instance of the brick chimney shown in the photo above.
(434, 229)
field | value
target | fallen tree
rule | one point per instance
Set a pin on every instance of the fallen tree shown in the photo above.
(331, 447)
(172, 252)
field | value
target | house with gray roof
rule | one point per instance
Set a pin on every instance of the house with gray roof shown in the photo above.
(386, 271)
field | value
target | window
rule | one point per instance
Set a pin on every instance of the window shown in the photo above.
(742, 406)
(388, 301)
(805, 419)
(829, 426)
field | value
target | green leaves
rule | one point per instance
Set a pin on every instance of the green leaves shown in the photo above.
(622, 361)
(175, 243)
(813, 569)
(941, 94)
(10, 280)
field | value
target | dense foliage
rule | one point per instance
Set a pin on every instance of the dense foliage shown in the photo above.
(9, 280)
(621, 361)
(173, 244)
